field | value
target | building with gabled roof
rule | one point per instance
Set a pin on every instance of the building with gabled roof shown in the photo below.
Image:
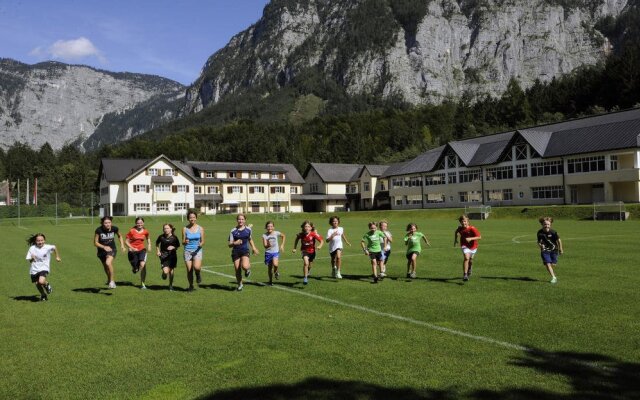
(586, 160)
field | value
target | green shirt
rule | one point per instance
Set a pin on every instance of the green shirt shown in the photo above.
(372, 240)
(413, 242)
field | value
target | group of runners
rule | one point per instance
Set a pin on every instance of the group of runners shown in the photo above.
(375, 243)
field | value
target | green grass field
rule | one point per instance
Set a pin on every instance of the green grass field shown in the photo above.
(506, 334)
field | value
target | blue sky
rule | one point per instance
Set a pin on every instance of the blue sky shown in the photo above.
(170, 38)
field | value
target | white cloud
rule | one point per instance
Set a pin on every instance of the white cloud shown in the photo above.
(70, 50)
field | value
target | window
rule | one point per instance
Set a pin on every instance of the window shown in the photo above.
(255, 206)
(313, 187)
(293, 190)
(435, 197)
(398, 201)
(275, 175)
(585, 164)
(522, 170)
(104, 191)
(254, 175)
(197, 190)
(141, 207)
(232, 174)
(499, 195)
(436, 179)
(276, 206)
(209, 174)
(118, 208)
(396, 182)
(256, 189)
(499, 173)
(414, 181)
(470, 196)
(613, 160)
(352, 189)
(452, 161)
(452, 177)
(213, 190)
(234, 189)
(547, 168)
(508, 156)
(169, 172)
(521, 151)
(414, 200)
(383, 187)
(277, 189)
(180, 206)
(162, 187)
(367, 186)
(547, 192)
(162, 206)
(153, 172)
(469, 176)
(180, 188)
(140, 188)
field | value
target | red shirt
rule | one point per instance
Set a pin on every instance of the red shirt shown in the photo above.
(137, 238)
(468, 232)
(309, 241)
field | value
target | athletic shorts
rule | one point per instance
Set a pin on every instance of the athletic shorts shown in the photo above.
(466, 250)
(335, 252)
(376, 255)
(386, 254)
(136, 257)
(34, 277)
(189, 256)
(549, 257)
(410, 255)
(238, 254)
(168, 259)
(102, 255)
(268, 258)
(311, 256)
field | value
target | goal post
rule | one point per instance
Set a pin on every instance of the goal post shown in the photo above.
(615, 211)
(479, 211)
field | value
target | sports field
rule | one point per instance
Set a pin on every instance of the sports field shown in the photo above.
(506, 334)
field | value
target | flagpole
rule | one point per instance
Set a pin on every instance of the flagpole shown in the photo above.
(26, 196)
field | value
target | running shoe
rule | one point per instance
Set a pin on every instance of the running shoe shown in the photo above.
(44, 298)
(382, 275)
(305, 280)
(135, 269)
(277, 275)
(143, 287)
(408, 275)
(375, 279)
(240, 287)
(49, 289)
(465, 277)
(112, 285)
(247, 273)
(170, 288)
(334, 272)
(554, 280)
(412, 275)
(338, 275)
(191, 289)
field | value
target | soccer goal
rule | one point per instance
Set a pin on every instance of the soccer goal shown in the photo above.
(477, 212)
(610, 212)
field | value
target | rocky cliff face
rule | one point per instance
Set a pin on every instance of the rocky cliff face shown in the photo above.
(60, 104)
(374, 47)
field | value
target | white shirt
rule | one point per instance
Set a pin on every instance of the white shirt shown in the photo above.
(389, 237)
(336, 242)
(41, 257)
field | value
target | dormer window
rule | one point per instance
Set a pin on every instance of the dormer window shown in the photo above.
(209, 174)
(153, 172)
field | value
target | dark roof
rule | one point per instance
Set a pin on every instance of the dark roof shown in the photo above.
(162, 179)
(334, 173)
(376, 170)
(292, 174)
(424, 162)
(118, 169)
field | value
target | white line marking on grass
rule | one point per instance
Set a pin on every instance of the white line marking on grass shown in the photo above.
(388, 315)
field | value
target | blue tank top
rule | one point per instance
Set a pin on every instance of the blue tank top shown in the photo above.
(193, 239)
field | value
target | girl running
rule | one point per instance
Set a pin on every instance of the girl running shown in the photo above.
(308, 238)
(372, 243)
(335, 236)
(386, 250)
(193, 240)
(39, 256)
(414, 248)
(166, 249)
(239, 241)
(469, 237)
(272, 250)
(550, 246)
(104, 240)
(137, 252)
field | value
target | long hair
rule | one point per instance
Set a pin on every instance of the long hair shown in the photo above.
(32, 239)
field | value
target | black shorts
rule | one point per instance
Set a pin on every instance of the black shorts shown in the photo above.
(168, 259)
(238, 254)
(137, 257)
(386, 254)
(102, 255)
(335, 252)
(312, 256)
(410, 255)
(376, 255)
(34, 277)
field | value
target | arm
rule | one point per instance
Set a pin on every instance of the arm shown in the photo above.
(344, 237)
(295, 244)
(253, 246)
(55, 251)
(96, 242)
(321, 240)
(231, 242)
(121, 242)
(265, 243)
(184, 236)
(455, 238)
(128, 243)
(560, 249)
(158, 246)
(426, 241)
(148, 242)
(284, 238)
(364, 247)
(201, 237)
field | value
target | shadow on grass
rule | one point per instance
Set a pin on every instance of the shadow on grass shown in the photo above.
(512, 278)
(94, 290)
(215, 286)
(32, 298)
(589, 375)
(328, 389)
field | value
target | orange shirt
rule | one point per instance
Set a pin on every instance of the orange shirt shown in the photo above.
(137, 238)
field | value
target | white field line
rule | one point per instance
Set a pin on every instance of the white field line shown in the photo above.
(388, 315)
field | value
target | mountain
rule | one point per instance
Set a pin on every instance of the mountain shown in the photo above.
(73, 104)
(328, 52)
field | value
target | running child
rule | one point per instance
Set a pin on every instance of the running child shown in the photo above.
(469, 237)
(239, 241)
(550, 246)
(193, 240)
(272, 250)
(166, 249)
(104, 240)
(335, 236)
(386, 250)
(39, 256)
(372, 244)
(137, 252)
(413, 240)
(308, 238)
